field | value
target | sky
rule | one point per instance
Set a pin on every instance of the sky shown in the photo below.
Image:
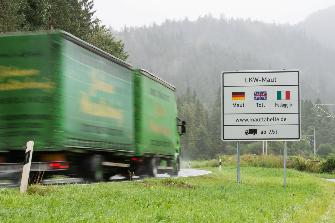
(130, 13)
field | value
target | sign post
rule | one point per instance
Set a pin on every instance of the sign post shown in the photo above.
(26, 167)
(238, 170)
(285, 158)
(266, 147)
(263, 148)
(260, 106)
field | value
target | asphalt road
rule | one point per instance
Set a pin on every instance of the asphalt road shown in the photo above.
(187, 173)
(192, 172)
(182, 173)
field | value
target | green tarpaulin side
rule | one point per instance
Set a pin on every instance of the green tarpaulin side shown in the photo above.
(62, 96)
(29, 91)
(155, 117)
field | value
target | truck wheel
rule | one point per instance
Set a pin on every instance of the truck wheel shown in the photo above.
(94, 168)
(176, 166)
(35, 177)
(153, 167)
(106, 176)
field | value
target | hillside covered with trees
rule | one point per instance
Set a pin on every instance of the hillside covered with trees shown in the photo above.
(320, 26)
(192, 55)
(75, 17)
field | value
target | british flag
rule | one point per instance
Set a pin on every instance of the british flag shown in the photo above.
(260, 95)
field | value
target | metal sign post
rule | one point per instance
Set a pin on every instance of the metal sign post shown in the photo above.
(263, 147)
(266, 147)
(238, 169)
(285, 158)
(26, 167)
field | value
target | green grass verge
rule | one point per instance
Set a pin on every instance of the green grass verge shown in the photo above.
(212, 198)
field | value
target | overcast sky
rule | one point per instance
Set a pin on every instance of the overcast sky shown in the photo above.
(120, 13)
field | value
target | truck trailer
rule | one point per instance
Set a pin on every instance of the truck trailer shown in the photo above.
(89, 113)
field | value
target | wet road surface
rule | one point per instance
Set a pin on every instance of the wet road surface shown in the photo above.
(182, 173)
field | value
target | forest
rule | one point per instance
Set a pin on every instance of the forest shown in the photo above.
(73, 16)
(192, 55)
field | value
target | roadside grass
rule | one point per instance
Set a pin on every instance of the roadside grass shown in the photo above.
(212, 198)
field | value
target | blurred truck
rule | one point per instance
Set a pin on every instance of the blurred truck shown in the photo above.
(90, 114)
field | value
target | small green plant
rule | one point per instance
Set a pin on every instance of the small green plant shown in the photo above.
(298, 163)
(313, 166)
(328, 166)
(40, 190)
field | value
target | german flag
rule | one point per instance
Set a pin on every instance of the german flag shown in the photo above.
(238, 96)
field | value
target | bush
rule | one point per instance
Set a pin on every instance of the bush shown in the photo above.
(328, 166)
(302, 164)
(313, 166)
(269, 161)
(298, 163)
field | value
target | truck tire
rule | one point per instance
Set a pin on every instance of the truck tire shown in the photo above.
(35, 177)
(176, 166)
(94, 168)
(153, 167)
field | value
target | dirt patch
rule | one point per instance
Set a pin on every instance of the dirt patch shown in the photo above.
(177, 183)
(168, 182)
(40, 190)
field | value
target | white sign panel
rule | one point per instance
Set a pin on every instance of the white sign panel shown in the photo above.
(260, 105)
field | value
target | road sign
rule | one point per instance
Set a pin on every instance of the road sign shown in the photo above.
(260, 105)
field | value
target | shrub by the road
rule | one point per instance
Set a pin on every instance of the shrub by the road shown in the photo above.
(328, 166)
(304, 164)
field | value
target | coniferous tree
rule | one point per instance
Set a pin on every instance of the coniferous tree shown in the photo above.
(215, 126)
(196, 143)
(73, 16)
(11, 18)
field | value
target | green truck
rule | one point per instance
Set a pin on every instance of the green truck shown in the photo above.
(90, 114)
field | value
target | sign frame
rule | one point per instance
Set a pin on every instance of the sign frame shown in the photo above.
(262, 72)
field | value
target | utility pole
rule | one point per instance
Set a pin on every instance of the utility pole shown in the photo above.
(263, 148)
(266, 148)
(314, 142)
(308, 137)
